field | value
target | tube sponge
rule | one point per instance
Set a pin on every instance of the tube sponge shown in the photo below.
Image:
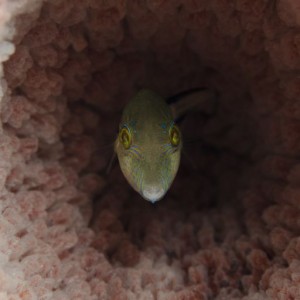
(228, 228)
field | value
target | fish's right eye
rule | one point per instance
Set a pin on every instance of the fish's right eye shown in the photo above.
(174, 136)
(125, 137)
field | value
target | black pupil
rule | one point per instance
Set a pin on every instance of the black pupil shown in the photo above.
(125, 137)
(175, 135)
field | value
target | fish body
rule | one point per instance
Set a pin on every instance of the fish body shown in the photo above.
(149, 142)
(148, 145)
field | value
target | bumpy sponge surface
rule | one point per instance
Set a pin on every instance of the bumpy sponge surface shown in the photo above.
(229, 227)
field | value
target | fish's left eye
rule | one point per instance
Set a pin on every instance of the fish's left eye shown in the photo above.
(174, 136)
(125, 137)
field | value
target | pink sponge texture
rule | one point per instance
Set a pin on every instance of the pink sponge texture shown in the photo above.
(228, 229)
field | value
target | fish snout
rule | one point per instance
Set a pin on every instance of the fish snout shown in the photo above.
(153, 193)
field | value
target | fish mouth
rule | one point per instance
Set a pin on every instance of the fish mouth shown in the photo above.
(153, 193)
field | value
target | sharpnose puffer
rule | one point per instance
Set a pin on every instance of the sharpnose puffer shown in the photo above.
(149, 142)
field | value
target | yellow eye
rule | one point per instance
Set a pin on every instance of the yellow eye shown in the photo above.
(125, 138)
(174, 136)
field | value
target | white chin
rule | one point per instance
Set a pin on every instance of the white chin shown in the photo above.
(153, 193)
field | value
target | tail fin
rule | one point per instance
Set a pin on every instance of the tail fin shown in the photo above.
(200, 99)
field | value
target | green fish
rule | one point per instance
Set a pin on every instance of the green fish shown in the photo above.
(149, 143)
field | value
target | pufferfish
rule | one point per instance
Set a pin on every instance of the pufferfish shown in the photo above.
(149, 142)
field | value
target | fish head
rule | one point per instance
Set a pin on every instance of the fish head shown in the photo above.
(148, 147)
